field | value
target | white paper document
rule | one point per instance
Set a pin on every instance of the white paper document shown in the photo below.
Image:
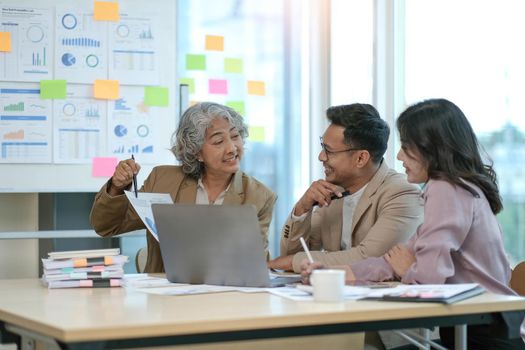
(305, 292)
(142, 280)
(161, 286)
(142, 205)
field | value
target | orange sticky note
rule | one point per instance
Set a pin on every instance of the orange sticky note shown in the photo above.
(103, 166)
(256, 88)
(5, 41)
(82, 262)
(106, 89)
(215, 42)
(106, 11)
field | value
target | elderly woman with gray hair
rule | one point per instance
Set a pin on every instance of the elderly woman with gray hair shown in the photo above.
(209, 143)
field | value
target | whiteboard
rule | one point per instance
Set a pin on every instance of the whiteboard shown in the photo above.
(58, 39)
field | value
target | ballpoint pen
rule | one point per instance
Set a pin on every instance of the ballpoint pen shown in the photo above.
(306, 250)
(335, 196)
(135, 181)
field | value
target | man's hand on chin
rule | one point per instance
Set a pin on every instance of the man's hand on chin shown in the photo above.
(281, 263)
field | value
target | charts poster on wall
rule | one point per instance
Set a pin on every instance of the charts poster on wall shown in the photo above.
(48, 140)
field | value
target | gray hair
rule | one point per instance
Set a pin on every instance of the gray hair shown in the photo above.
(188, 139)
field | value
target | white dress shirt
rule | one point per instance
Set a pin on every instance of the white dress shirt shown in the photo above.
(202, 194)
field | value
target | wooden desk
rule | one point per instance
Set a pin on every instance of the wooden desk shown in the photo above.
(117, 317)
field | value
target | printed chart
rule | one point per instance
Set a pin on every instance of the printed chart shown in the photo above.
(134, 55)
(30, 58)
(131, 126)
(80, 46)
(25, 126)
(79, 126)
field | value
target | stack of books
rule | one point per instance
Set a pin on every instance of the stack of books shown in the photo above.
(84, 269)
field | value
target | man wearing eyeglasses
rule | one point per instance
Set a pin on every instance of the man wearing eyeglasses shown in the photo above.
(362, 208)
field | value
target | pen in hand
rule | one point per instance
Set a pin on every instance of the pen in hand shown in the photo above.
(335, 196)
(135, 181)
(306, 250)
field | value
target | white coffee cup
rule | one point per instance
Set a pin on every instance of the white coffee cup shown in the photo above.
(328, 285)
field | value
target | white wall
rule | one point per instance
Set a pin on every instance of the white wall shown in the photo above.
(18, 212)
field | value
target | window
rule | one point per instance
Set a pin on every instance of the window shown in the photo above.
(470, 52)
(352, 51)
(247, 55)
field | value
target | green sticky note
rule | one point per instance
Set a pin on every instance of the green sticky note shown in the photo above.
(238, 106)
(156, 96)
(190, 82)
(233, 65)
(195, 62)
(52, 89)
(257, 133)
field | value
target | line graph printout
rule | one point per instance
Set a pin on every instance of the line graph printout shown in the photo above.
(25, 126)
(134, 54)
(31, 56)
(79, 127)
(80, 46)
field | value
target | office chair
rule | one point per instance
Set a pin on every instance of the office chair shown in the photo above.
(140, 259)
(517, 279)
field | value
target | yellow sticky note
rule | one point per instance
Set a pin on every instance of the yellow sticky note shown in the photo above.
(106, 89)
(214, 42)
(256, 88)
(106, 11)
(256, 133)
(233, 65)
(5, 41)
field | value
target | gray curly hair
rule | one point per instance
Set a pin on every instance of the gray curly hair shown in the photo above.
(188, 139)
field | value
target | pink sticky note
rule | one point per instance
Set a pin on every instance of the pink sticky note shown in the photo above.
(104, 166)
(218, 86)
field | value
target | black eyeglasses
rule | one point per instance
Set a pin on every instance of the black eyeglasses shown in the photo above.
(329, 153)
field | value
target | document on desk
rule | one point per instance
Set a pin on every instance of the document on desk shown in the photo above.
(142, 205)
(191, 289)
(305, 292)
(441, 293)
(143, 280)
(161, 286)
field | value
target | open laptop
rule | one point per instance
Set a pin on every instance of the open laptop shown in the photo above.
(213, 244)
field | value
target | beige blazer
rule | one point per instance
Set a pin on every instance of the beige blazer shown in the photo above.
(114, 215)
(387, 213)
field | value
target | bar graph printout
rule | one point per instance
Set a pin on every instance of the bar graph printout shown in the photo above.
(132, 127)
(80, 45)
(30, 58)
(25, 126)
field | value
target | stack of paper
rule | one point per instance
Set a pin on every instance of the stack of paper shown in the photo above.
(84, 269)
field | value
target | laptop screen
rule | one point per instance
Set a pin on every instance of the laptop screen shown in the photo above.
(211, 244)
